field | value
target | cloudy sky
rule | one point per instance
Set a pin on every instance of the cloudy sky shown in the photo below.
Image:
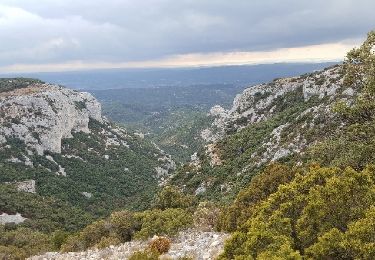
(54, 35)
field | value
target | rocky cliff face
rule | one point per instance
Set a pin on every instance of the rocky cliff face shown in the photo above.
(42, 115)
(267, 123)
(315, 93)
(260, 102)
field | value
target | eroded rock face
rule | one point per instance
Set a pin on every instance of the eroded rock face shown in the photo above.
(259, 102)
(315, 92)
(43, 114)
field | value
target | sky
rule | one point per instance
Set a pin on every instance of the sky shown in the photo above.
(60, 35)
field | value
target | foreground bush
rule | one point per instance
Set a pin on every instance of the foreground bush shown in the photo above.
(160, 245)
(326, 213)
(163, 222)
(260, 187)
(20, 243)
(123, 226)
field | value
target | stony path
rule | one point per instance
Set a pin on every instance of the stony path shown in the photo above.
(191, 243)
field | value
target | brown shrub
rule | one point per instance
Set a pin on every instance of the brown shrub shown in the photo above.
(160, 245)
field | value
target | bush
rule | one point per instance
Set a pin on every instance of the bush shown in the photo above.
(108, 241)
(124, 224)
(73, 243)
(160, 245)
(172, 197)
(59, 238)
(144, 255)
(326, 213)
(22, 242)
(88, 237)
(163, 222)
(260, 187)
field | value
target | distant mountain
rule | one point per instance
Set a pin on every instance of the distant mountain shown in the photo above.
(242, 75)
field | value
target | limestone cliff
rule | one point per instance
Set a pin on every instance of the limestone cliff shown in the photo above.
(268, 122)
(42, 115)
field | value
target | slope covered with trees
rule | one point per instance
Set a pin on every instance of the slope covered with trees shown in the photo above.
(317, 212)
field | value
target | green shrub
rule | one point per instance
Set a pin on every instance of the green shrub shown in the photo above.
(260, 187)
(88, 237)
(307, 215)
(108, 241)
(163, 222)
(124, 224)
(58, 238)
(22, 242)
(144, 255)
(172, 197)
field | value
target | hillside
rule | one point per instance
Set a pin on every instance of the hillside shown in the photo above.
(57, 141)
(277, 121)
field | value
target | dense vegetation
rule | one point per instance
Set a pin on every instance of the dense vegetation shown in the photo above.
(43, 213)
(124, 179)
(171, 212)
(322, 213)
(100, 179)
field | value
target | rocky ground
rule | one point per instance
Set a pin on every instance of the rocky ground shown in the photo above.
(191, 243)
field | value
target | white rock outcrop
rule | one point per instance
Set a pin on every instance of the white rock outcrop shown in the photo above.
(257, 103)
(190, 243)
(295, 132)
(42, 115)
(9, 218)
(24, 186)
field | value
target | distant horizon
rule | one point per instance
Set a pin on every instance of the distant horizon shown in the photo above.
(337, 61)
(240, 75)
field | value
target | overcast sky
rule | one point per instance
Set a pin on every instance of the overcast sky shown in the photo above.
(47, 35)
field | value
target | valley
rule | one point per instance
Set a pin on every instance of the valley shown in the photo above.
(281, 169)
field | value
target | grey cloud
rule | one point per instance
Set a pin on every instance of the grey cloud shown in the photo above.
(39, 31)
